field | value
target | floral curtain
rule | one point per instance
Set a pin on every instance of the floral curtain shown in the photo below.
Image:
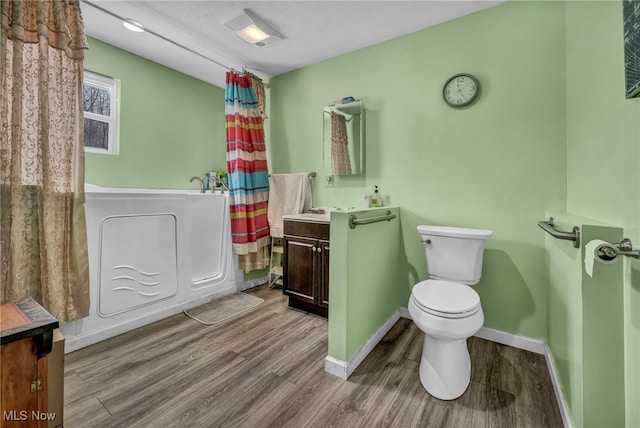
(248, 174)
(43, 245)
(340, 160)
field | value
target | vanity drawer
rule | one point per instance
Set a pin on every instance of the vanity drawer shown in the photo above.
(306, 228)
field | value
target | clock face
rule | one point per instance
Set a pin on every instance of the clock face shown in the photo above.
(460, 90)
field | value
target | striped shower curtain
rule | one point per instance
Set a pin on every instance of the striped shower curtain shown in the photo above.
(248, 174)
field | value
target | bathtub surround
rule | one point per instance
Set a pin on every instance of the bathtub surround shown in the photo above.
(152, 255)
(43, 243)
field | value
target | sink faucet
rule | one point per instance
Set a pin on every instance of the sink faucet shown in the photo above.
(201, 183)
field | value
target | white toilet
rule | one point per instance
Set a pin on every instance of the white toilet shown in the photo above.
(446, 309)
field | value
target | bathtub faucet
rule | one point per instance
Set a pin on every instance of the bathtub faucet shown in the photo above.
(221, 183)
(201, 183)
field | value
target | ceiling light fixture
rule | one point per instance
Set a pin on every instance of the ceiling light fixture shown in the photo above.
(132, 25)
(254, 30)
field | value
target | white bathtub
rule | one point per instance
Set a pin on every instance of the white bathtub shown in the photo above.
(152, 253)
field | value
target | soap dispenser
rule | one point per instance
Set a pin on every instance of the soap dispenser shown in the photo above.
(375, 198)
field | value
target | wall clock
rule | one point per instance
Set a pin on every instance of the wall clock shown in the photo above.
(461, 90)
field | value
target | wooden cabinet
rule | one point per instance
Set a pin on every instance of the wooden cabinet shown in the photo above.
(26, 338)
(306, 265)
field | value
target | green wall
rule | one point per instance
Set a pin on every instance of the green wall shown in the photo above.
(603, 154)
(361, 299)
(171, 125)
(498, 164)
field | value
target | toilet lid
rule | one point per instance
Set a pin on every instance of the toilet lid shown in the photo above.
(450, 299)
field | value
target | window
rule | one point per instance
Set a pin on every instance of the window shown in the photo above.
(99, 102)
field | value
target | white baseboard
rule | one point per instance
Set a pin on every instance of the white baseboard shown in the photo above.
(336, 367)
(562, 403)
(344, 369)
(521, 342)
(404, 313)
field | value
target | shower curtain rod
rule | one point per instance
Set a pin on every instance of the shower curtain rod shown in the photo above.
(166, 39)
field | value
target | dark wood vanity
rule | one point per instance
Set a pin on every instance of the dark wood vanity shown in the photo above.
(306, 265)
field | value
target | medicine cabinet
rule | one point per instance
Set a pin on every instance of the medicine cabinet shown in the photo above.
(343, 136)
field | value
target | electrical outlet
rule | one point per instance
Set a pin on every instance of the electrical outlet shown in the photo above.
(328, 180)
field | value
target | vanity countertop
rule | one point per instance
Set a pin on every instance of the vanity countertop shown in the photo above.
(311, 217)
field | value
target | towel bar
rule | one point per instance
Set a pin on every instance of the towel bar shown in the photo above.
(312, 174)
(354, 221)
(549, 227)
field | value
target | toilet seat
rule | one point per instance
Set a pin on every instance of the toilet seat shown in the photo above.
(446, 299)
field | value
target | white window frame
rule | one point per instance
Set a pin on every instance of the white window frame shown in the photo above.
(111, 85)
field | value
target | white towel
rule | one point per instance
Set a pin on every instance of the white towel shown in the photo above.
(288, 194)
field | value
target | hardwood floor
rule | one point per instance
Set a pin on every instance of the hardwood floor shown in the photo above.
(265, 367)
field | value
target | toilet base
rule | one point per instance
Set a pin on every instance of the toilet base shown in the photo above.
(445, 367)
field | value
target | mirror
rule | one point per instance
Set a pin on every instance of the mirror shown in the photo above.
(344, 138)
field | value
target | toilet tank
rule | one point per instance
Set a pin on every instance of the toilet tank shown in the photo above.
(454, 254)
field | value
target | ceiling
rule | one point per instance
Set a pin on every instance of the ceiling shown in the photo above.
(190, 36)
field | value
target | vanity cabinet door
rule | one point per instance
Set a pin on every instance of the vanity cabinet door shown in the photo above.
(300, 267)
(306, 266)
